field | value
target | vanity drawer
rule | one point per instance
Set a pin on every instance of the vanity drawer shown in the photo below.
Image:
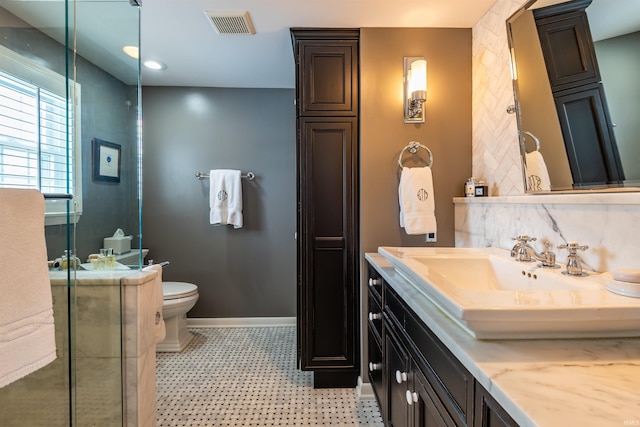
(394, 307)
(441, 367)
(374, 283)
(374, 316)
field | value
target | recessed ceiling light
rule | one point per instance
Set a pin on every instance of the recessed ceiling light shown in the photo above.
(155, 65)
(132, 51)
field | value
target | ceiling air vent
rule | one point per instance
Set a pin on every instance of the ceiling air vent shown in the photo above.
(231, 22)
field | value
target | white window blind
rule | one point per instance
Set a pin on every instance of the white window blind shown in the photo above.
(35, 151)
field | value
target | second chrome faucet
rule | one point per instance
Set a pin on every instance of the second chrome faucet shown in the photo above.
(523, 251)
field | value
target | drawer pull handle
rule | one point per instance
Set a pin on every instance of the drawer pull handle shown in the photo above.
(375, 366)
(411, 397)
(401, 377)
(373, 282)
(375, 316)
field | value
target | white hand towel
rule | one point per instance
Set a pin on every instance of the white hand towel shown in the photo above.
(536, 171)
(158, 294)
(417, 204)
(225, 197)
(27, 335)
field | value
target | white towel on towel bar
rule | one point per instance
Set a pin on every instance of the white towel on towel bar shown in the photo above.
(27, 334)
(225, 197)
(537, 173)
(417, 205)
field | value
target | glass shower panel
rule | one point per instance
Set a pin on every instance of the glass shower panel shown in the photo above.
(33, 65)
(89, 147)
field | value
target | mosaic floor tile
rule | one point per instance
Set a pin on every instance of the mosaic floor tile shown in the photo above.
(248, 377)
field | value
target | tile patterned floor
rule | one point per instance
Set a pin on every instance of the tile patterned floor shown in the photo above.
(248, 377)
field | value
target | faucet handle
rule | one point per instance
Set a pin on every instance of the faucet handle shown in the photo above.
(574, 265)
(524, 238)
(573, 247)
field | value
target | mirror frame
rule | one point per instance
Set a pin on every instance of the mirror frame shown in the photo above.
(558, 8)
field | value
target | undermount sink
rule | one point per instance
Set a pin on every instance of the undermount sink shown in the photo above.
(492, 296)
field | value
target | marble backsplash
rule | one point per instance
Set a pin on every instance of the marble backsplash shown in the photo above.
(609, 223)
(496, 153)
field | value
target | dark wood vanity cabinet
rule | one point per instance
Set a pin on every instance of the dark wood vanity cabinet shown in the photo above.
(416, 379)
(574, 76)
(327, 195)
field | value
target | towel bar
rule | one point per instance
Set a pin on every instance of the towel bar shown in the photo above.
(250, 176)
(413, 148)
(534, 138)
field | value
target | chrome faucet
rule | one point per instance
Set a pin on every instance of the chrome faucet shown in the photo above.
(574, 264)
(524, 252)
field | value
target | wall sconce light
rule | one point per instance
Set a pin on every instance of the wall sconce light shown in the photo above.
(415, 88)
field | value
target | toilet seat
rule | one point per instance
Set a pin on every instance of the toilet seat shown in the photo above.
(175, 290)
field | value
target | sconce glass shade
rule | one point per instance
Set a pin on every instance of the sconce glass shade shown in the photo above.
(418, 76)
(415, 89)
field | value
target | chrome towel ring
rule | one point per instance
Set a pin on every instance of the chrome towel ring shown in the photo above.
(413, 148)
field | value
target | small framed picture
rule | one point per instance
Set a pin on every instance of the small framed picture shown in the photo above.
(106, 161)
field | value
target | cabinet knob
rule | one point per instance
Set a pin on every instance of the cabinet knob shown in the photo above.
(375, 316)
(411, 397)
(401, 377)
(374, 282)
(375, 366)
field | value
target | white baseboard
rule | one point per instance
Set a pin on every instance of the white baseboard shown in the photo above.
(364, 391)
(240, 322)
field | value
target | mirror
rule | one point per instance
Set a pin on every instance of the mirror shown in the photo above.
(578, 121)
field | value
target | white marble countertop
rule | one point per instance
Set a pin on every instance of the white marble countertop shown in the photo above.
(546, 383)
(100, 277)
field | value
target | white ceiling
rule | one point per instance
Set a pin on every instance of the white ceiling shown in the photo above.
(178, 33)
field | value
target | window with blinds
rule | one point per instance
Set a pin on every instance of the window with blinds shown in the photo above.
(36, 151)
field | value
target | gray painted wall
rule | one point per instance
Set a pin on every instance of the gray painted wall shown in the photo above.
(247, 272)
(105, 115)
(619, 62)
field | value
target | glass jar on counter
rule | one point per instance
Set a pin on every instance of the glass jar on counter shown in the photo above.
(68, 259)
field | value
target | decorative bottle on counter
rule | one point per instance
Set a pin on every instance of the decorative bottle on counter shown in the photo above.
(470, 187)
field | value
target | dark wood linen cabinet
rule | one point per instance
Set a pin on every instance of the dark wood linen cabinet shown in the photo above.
(327, 184)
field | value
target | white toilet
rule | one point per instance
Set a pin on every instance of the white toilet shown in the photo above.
(179, 298)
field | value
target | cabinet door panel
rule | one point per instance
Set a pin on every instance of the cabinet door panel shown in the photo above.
(588, 136)
(329, 74)
(568, 50)
(428, 410)
(450, 380)
(396, 360)
(326, 156)
(488, 413)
